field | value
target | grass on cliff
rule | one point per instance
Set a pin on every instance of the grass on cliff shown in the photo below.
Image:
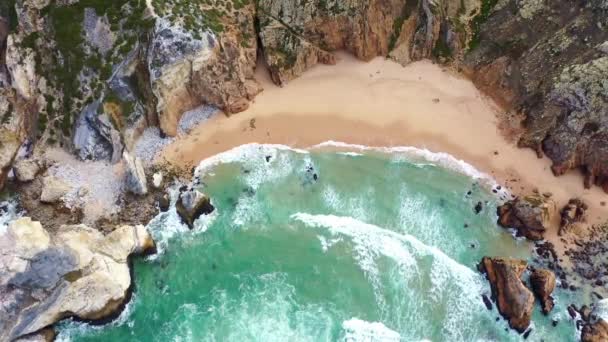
(408, 7)
(482, 17)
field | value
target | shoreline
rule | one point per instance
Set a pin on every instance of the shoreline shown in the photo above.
(383, 104)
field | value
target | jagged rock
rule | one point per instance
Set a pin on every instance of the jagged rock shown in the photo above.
(553, 74)
(543, 284)
(191, 204)
(530, 215)
(295, 37)
(53, 189)
(26, 169)
(514, 300)
(95, 137)
(572, 213)
(188, 67)
(76, 272)
(9, 146)
(596, 332)
(135, 180)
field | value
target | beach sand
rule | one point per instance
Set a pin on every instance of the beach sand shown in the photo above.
(381, 103)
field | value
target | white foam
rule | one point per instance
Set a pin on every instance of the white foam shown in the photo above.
(451, 283)
(411, 153)
(357, 330)
(9, 214)
(600, 309)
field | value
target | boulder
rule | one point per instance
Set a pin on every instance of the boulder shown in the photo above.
(596, 332)
(543, 284)
(572, 213)
(530, 215)
(135, 181)
(514, 300)
(191, 204)
(9, 146)
(76, 272)
(26, 170)
(53, 189)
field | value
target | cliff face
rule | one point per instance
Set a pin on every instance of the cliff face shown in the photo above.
(549, 60)
(94, 85)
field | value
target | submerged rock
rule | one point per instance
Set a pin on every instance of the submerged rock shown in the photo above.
(543, 284)
(530, 216)
(514, 300)
(135, 181)
(77, 272)
(191, 204)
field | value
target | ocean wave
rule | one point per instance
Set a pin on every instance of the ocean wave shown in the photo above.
(9, 211)
(412, 153)
(356, 330)
(452, 283)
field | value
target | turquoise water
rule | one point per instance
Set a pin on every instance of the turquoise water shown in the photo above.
(326, 246)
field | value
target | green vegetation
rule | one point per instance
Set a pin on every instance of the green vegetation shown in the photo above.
(7, 10)
(442, 49)
(484, 14)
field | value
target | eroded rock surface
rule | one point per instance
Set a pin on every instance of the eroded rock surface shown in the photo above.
(76, 271)
(530, 216)
(515, 301)
(191, 204)
(543, 284)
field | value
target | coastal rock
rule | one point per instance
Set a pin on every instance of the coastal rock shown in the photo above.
(596, 332)
(95, 138)
(135, 179)
(9, 146)
(53, 189)
(554, 75)
(77, 272)
(529, 215)
(572, 213)
(543, 284)
(26, 169)
(514, 300)
(191, 204)
(192, 65)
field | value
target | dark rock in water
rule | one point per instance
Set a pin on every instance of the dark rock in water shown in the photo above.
(572, 311)
(527, 333)
(164, 202)
(478, 207)
(191, 204)
(529, 216)
(315, 176)
(487, 302)
(268, 159)
(596, 332)
(514, 300)
(543, 284)
(572, 213)
(585, 312)
(554, 322)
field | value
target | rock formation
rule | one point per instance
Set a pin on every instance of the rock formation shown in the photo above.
(514, 300)
(135, 181)
(596, 332)
(75, 271)
(572, 213)
(543, 284)
(530, 216)
(191, 204)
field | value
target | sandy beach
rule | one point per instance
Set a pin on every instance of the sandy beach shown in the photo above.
(381, 103)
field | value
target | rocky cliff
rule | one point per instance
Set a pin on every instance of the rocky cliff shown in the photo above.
(93, 86)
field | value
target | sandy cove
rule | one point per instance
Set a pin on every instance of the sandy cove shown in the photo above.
(381, 103)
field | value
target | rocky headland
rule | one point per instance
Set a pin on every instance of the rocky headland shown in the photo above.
(85, 108)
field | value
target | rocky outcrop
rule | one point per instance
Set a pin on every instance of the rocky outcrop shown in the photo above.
(296, 36)
(547, 62)
(95, 137)
(191, 204)
(596, 332)
(26, 170)
(135, 176)
(53, 189)
(9, 145)
(571, 214)
(76, 272)
(543, 284)
(208, 58)
(530, 216)
(514, 300)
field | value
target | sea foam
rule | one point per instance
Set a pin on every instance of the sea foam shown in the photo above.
(356, 330)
